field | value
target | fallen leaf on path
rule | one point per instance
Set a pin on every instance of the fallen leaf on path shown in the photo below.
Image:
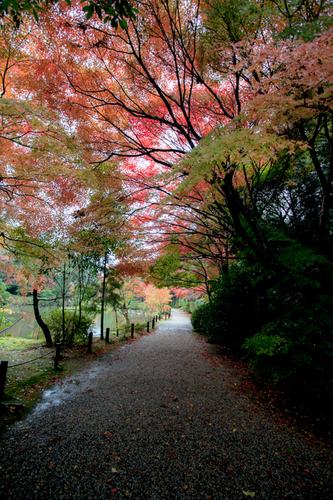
(249, 493)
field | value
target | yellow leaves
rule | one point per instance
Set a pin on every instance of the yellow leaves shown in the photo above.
(250, 494)
(254, 139)
(233, 148)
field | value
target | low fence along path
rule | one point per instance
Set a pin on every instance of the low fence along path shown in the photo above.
(159, 418)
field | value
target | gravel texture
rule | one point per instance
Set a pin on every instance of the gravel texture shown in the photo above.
(159, 418)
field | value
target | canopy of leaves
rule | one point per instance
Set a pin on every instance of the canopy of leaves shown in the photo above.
(115, 11)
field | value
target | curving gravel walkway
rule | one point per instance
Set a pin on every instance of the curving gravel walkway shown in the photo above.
(158, 419)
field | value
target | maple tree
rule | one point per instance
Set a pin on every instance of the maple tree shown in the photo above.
(189, 80)
(157, 299)
(39, 163)
(178, 109)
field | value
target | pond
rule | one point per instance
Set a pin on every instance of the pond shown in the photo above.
(24, 320)
(25, 324)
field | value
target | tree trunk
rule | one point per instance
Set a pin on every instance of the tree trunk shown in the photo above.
(115, 310)
(63, 306)
(44, 327)
(126, 316)
(103, 295)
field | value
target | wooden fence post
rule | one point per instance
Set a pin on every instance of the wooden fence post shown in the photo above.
(90, 342)
(147, 326)
(132, 330)
(107, 335)
(57, 356)
(153, 324)
(3, 372)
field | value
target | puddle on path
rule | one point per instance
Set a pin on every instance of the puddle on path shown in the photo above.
(61, 392)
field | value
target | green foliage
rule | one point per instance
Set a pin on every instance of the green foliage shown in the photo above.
(5, 318)
(76, 328)
(232, 20)
(47, 294)
(234, 312)
(169, 270)
(4, 294)
(186, 306)
(297, 347)
(282, 319)
(113, 11)
(305, 23)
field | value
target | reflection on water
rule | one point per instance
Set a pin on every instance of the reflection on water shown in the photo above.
(27, 323)
(110, 320)
(27, 326)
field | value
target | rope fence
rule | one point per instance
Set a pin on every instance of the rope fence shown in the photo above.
(12, 324)
(31, 360)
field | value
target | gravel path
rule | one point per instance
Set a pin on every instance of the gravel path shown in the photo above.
(158, 419)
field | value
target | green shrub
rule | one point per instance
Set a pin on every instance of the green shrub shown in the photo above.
(186, 306)
(234, 312)
(283, 320)
(298, 346)
(76, 329)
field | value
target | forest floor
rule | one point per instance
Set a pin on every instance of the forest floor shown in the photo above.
(168, 416)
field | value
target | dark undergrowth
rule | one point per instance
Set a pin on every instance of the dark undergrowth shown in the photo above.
(285, 402)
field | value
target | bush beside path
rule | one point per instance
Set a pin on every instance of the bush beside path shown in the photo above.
(156, 419)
